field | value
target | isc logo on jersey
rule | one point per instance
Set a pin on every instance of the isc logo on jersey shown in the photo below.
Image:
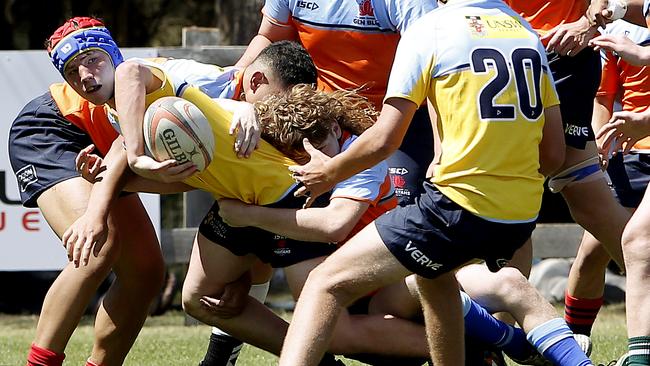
(175, 128)
(307, 5)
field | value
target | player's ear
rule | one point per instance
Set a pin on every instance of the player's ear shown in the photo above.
(336, 128)
(258, 79)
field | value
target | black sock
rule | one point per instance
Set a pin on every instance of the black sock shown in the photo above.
(223, 350)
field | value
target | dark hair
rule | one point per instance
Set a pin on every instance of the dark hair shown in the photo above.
(290, 62)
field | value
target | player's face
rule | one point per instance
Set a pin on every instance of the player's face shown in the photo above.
(330, 146)
(92, 75)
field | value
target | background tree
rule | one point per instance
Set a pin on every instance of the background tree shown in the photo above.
(25, 24)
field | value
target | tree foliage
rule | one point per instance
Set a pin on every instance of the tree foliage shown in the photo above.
(25, 24)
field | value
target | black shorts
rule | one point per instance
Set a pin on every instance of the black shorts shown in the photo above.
(629, 177)
(43, 146)
(408, 165)
(271, 248)
(435, 235)
(576, 80)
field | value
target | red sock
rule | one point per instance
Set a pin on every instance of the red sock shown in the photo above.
(580, 314)
(44, 357)
(90, 363)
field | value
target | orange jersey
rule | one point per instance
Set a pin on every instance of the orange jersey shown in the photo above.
(544, 15)
(630, 82)
(352, 42)
(91, 118)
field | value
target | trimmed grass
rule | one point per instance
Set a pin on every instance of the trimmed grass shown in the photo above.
(166, 341)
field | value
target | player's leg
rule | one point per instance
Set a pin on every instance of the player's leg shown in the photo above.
(360, 266)
(69, 295)
(593, 206)
(213, 265)
(586, 284)
(636, 248)
(139, 274)
(367, 333)
(580, 179)
(223, 349)
(508, 290)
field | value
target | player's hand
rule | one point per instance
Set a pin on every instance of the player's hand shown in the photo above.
(89, 165)
(233, 212)
(598, 14)
(168, 171)
(312, 175)
(622, 131)
(629, 51)
(85, 236)
(571, 38)
(245, 124)
(233, 300)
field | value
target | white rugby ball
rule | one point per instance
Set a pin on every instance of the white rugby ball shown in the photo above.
(175, 128)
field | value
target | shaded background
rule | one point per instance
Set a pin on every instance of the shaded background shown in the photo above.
(25, 24)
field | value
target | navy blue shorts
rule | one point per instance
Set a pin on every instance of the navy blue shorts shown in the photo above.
(435, 235)
(43, 146)
(629, 177)
(576, 80)
(408, 165)
(271, 248)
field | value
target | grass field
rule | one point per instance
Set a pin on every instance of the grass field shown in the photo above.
(166, 341)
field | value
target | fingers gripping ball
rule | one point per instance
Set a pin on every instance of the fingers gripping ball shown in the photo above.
(175, 128)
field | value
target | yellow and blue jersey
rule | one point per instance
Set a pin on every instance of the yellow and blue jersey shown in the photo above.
(262, 179)
(486, 74)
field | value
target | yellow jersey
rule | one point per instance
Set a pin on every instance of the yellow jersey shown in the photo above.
(262, 179)
(486, 74)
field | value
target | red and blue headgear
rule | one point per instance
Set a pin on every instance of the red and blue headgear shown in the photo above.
(81, 34)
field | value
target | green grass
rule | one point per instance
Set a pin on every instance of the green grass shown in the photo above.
(165, 340)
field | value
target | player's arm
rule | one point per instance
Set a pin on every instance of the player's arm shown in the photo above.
(570, 38)
(132, 83)
(374, 145)
(91, 228)
(319, 224)
(600, 12)
(629, 51)
(552, 147)
(268, 33)
(132, 80)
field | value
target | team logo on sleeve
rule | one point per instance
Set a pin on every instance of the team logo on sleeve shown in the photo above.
(26, 177)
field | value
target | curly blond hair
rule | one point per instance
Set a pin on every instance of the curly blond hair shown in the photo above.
(304, 112)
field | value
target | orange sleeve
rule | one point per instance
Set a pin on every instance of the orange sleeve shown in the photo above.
(609, 80)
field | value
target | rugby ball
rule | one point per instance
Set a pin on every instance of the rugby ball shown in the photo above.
(175, 128)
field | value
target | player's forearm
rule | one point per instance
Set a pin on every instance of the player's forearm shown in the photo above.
(257, 44)
(603, 107)
(106, 190)
(311, 224)
(130, 91)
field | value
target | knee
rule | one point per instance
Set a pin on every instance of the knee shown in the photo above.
(324, 280)
(510, 281)
(191, 304)
(636, 245)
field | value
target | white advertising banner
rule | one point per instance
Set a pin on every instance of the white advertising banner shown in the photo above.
(26, 241)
